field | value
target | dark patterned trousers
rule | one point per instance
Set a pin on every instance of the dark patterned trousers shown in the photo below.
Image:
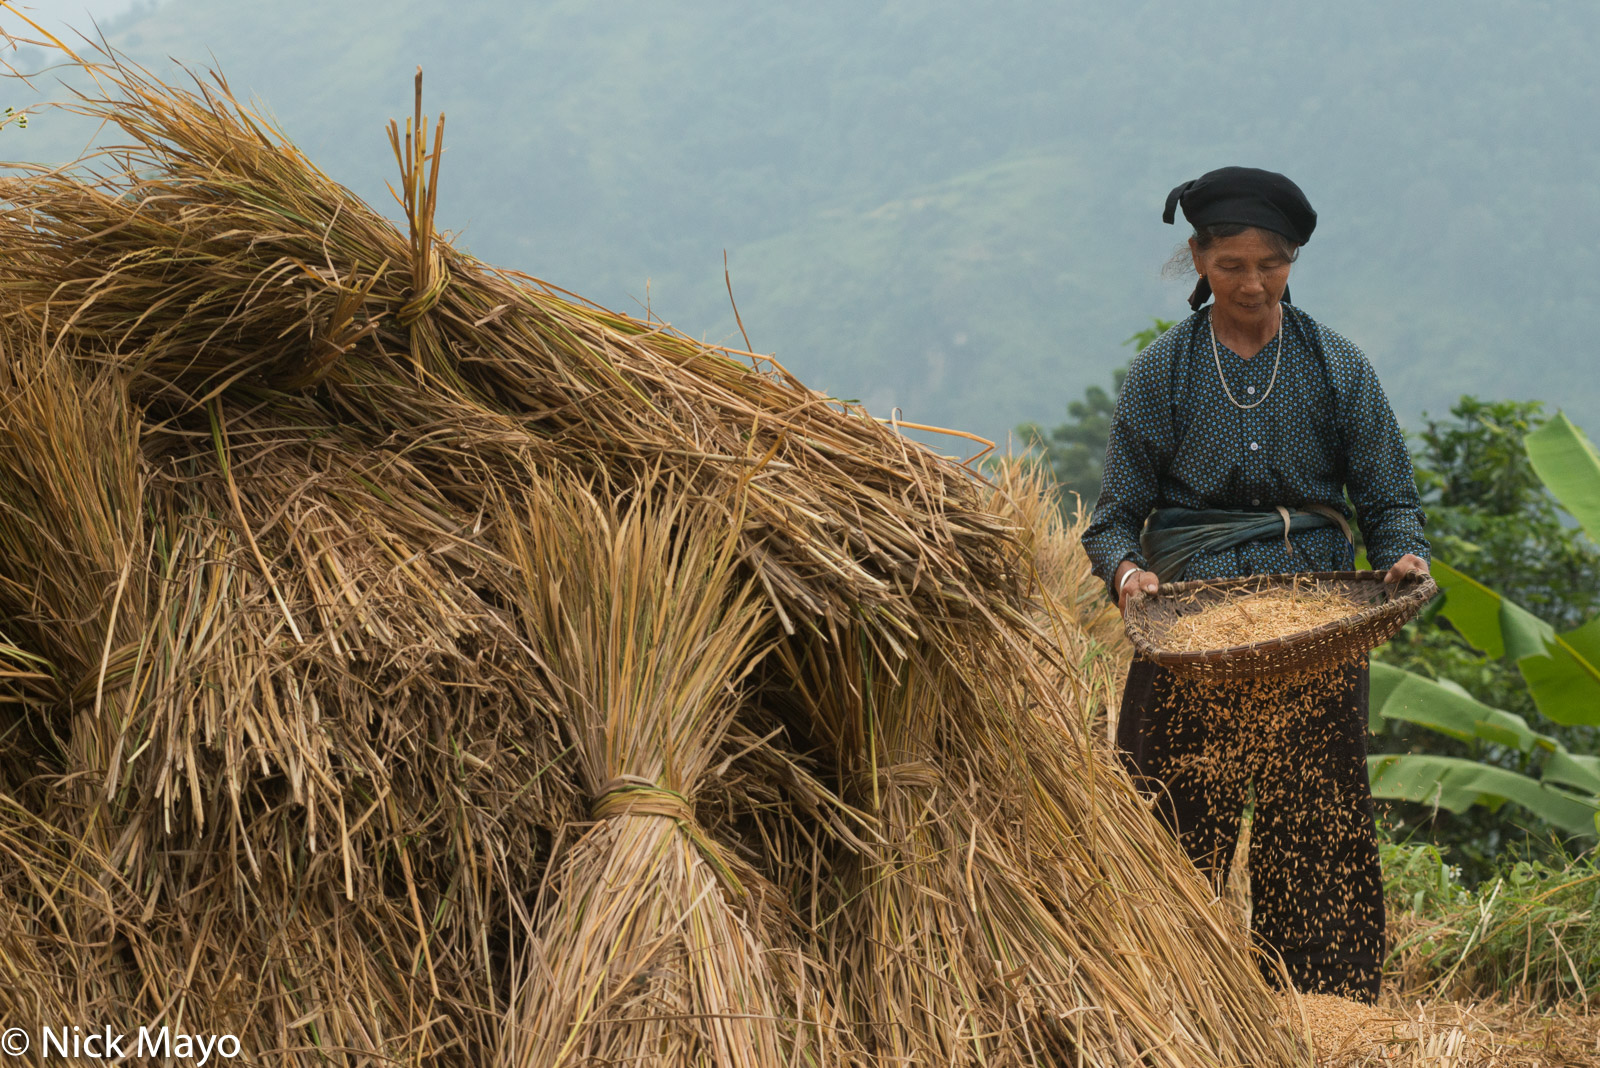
(1299, 744)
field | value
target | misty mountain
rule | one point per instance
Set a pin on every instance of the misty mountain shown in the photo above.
(956, 209)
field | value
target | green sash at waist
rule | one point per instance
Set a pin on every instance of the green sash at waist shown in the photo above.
(1172, 536)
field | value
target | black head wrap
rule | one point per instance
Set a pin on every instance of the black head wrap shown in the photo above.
(1247, 196)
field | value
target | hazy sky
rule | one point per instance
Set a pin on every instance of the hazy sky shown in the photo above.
(52, 14)
(69, 18)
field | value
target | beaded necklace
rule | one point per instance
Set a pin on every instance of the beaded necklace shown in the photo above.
(1217, 356)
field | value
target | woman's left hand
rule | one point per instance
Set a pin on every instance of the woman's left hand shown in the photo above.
(1404, 566)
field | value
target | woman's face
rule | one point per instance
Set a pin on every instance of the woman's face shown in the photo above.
(1247, 276)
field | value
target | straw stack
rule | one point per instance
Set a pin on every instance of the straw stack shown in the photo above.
(401, 659)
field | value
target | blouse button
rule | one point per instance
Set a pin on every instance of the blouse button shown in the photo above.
(1254, 446)
(1250, 389)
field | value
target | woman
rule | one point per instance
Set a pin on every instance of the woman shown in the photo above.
(1235, 439)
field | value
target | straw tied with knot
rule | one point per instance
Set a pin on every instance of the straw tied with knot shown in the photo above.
(481, 676)
(632, 795)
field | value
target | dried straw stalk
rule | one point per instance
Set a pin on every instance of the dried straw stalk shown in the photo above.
(1018, 904)
(211, 255)
(355, 803)
(902, 932)
(1068, 601)
(643, 948)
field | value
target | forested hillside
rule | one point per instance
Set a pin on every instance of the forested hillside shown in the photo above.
(956, 209)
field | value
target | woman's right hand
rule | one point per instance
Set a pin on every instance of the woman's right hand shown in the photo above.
(1144, 580)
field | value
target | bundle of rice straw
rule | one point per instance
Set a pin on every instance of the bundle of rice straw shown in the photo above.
(902, 929)
(305, 740)
(644, 624)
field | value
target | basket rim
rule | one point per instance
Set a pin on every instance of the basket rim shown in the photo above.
(1414, 589)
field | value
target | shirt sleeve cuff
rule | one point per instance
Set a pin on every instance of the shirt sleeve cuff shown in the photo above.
(1385, 556)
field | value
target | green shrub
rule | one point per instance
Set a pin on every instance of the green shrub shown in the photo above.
(1533, 930)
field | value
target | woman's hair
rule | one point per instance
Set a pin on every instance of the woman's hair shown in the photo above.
(1181, 264)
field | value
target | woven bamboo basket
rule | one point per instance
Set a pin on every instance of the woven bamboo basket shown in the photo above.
(1377, 612)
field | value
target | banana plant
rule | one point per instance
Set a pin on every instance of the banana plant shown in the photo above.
(1566, 795)
(1566, 461)
(1561, 670)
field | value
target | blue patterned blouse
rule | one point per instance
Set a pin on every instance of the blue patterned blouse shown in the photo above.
(1177, 441)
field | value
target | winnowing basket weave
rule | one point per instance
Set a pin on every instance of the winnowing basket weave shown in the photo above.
(1377, 611)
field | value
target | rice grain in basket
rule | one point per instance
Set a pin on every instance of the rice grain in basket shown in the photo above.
(1256, 617)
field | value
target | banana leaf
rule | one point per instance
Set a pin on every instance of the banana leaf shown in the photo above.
(1562, 670)
(1455, 784)
(1498, 626)
(1585, 640)
(1447, 708)
(1566, 461)
(1570, 769)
